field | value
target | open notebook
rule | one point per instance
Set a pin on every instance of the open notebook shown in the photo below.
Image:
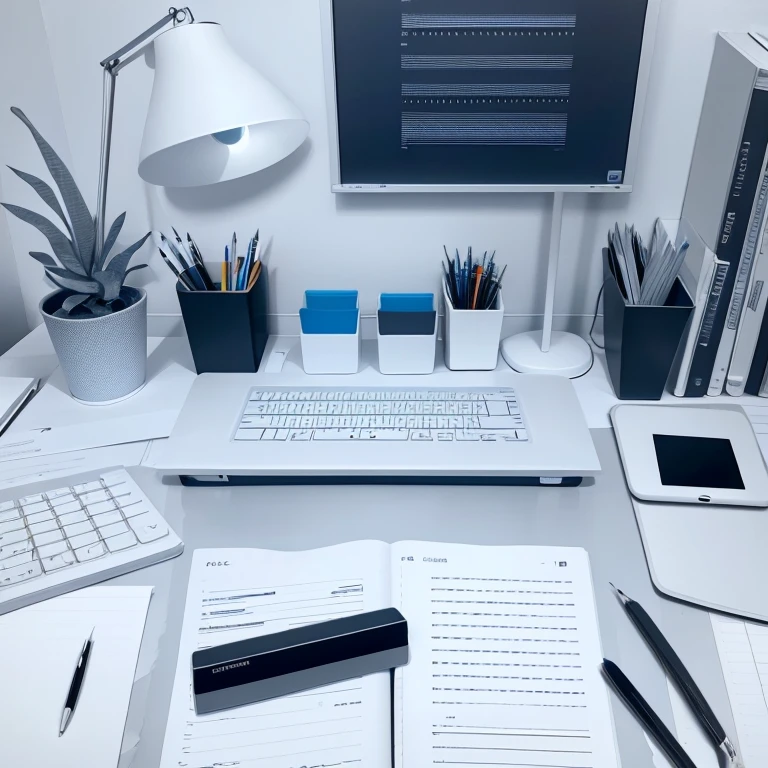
(504, 669)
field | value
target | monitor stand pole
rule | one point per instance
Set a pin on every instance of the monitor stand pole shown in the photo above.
(547, 351)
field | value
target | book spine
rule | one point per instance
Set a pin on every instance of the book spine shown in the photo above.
(733, 233)
(759, 360)
(730, 331)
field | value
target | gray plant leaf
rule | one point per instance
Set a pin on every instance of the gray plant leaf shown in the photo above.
(67, 280)
(62, 248)
(110, 284)
(120, 262)
(133, 269)
(49, 198)
(75, 301)
(43, 258)
(80, 218)
(98, 309)
(112, 235)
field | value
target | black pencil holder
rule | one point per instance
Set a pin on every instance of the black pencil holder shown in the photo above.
(228, 330)
(641, 342)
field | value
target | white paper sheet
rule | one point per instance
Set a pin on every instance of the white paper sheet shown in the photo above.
(505, 657)
(39, 648)
(743, 650)
(238, 593)
(54, 423)
(30, 470)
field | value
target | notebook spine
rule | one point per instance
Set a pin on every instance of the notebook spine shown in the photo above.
(733, 233)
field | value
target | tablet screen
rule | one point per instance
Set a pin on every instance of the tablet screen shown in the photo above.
(697, 462)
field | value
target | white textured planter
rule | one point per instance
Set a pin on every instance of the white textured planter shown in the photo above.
(103, 358)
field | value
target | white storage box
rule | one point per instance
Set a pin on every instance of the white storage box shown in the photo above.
(407, 354)
(331, 352)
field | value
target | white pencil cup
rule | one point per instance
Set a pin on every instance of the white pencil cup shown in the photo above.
(472, 336)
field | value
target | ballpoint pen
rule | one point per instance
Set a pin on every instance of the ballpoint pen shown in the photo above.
(677, 671)
(77, 684)
(650, 720)
(181, 276)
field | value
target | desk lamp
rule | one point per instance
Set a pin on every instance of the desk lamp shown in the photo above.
(211, 116)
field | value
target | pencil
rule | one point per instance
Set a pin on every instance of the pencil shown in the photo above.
(254, 276)
(478, 278)
(224, 275)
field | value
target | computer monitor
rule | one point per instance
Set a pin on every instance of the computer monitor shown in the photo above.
(486, 95)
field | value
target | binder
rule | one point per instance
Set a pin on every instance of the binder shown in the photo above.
(725, 177)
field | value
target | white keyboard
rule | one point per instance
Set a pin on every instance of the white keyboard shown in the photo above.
(76, 533)
(379, 415)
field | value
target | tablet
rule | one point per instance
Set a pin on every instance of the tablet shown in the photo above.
(690, 455)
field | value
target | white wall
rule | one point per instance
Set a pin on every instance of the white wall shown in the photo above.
(13, 320)
(374, 243)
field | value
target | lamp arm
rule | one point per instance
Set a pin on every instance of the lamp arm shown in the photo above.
(112, 65)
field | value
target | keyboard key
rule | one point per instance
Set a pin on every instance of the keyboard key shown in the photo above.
(249, 434)
(301, 434)
(521, 434)
(269, 434)
(282, 434)
(337, 434)
(21, 573)
(57, 562)
(108, 518)
(115, 479)
(58, 493)
(35, 498)
(13, 537)
(135, 509)
(148, 528)
(383, 434)
(7, 505)
(83, 540)
(94, 485)
(93, 496)
(77, 528)
(49, 550)
(60, 501)
(49, 537)
(90, 552)
(123, 541)
(37, 529)
(40, 517)
(73, 517)
(63, 509)
(113, 530)
(421, 434)
(10, 514)
(467, 436)
(31, 509)
(11, 550)
(445, 437)
(21, 558)
(100, 507)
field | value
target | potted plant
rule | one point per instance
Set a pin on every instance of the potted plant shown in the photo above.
(97, 324)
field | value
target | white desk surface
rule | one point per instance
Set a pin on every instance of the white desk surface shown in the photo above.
(598, 516)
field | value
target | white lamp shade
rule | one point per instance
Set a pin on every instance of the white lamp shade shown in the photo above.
(202, 87)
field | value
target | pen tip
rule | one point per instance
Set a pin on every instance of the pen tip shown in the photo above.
(624, 599)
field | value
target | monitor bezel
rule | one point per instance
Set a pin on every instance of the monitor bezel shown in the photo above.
(643, 79)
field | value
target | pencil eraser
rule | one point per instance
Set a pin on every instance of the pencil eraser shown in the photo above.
(280, 664)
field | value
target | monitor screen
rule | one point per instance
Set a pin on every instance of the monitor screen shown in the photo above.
(485, 92)
(697, 462)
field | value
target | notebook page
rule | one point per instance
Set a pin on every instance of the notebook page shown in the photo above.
(505, 656)
(39, 649)
(743, 650)
(234, 594)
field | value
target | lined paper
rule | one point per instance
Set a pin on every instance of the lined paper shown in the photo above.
(743, 650)
(505, 658)
(239, 593)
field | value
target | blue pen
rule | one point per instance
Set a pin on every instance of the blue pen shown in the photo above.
(226, 261)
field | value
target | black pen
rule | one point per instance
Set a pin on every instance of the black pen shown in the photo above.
(77, 684)
(180, 276)
(677, 671)
(650, 720)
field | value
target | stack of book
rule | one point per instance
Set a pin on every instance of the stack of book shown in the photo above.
(724, 221)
